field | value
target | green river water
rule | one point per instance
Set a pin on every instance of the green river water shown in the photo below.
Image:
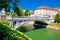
(44, 34)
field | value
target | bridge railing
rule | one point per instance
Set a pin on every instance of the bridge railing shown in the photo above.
(30, 18)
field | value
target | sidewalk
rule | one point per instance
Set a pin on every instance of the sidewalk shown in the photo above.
(53, 27)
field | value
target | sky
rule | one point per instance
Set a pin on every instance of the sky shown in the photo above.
(32, 4)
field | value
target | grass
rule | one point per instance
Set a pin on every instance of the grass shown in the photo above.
(27, 25)
(44, 34)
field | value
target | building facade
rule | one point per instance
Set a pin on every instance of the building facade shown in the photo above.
(46, 12)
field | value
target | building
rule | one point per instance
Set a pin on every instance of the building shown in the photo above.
(45, 12)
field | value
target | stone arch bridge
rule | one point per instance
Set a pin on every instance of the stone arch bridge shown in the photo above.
(16, 22)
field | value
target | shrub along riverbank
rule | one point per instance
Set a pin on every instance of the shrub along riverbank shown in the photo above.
(8, 33)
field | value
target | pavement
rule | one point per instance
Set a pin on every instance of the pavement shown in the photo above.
(53, 27)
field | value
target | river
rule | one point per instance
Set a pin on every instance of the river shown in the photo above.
(44, 34)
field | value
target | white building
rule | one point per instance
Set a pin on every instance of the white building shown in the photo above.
(46, 12)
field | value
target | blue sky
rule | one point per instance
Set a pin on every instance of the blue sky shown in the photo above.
(32, 4)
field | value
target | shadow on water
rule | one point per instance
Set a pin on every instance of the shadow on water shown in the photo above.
(39, 24)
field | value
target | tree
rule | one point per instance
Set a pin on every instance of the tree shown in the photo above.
(57, 17)
(7, 13)
(17, 10)
(11, 14)
(6, 4)
(14, 14)
(27, 12)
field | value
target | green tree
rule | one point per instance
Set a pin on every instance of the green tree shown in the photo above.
(27, 12)
(11, 14)
(17, 10)
(3, 4)
(57, 17)
(14, 14)
(7, 13)
(6, 4)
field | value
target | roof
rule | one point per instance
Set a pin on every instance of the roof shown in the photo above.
(45, 7)
(56, 8)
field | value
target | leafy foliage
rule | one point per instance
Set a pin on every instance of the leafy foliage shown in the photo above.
(8, 33)
(6, 4)
(20, 12)
(14, 14)
(57, 17)
(17, 10)
(7, 13)
(4, 22)
(13, 5)
(27, 12)
(11, 14)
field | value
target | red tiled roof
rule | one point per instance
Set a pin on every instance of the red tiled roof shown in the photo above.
(45, 7)
(56, 8)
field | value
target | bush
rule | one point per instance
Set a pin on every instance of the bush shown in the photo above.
(8, 33)
(57, 17)
(11, 13)
(26, 27)
(4, 22)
